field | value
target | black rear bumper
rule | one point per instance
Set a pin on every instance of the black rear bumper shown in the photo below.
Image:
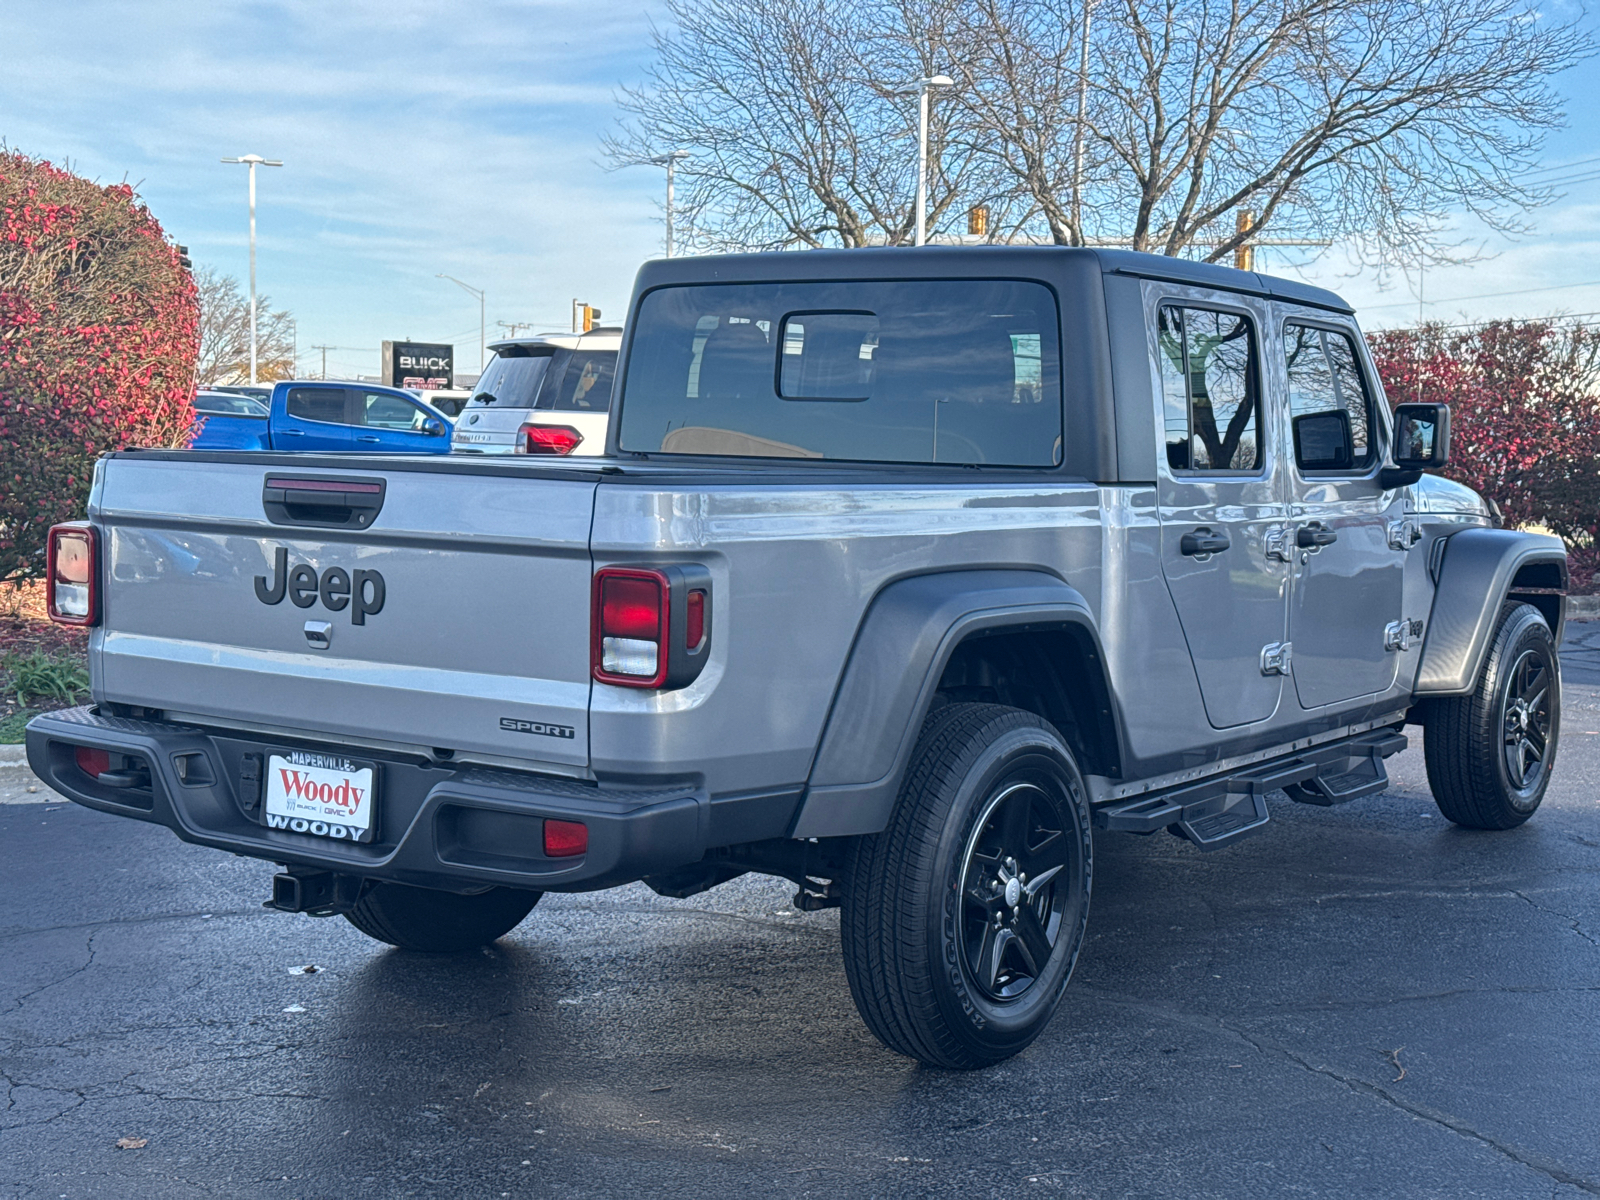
(458, 829)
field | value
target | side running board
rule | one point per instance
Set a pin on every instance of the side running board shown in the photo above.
(1219, 811)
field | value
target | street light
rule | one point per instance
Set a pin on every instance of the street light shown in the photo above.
(670, 161)
(253, 161)
(921, 86)
(482, 327)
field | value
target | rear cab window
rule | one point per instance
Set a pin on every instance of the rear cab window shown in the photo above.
(927, 371)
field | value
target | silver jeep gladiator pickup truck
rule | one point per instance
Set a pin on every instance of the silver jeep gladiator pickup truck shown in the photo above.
(905, 574)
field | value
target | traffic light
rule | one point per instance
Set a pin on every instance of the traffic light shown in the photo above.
(590, 316)
(183, 258)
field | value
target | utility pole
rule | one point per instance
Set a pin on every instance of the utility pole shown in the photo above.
(670, 161)
(324, 350)
(253, 161)
(1077, 134)
(511, 327)
(921, 87)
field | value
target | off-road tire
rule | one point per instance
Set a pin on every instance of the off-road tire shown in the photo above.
(907, 925)
(414, 918)
(1466, 737)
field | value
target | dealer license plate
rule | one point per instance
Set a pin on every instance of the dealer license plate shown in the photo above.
(325, 795)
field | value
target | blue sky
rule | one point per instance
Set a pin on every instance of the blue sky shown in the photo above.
(423, 137)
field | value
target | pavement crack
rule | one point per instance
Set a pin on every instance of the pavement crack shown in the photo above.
(19, 1001)
(1535, 1162)
(1571, 920)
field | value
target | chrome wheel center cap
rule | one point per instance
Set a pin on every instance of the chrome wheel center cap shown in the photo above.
(1013, 892)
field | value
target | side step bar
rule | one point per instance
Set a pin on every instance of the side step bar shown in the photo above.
(1220, 811)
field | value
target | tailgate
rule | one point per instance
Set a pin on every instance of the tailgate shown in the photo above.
(479, 645)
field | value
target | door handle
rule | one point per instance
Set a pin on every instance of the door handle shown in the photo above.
(291, 433)
(1313, 535)
(368, 437)
(1204, 540)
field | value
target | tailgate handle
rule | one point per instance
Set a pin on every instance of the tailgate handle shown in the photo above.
(324, 501)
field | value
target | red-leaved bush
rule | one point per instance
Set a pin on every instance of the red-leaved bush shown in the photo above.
(98, 338)
(1525, 418)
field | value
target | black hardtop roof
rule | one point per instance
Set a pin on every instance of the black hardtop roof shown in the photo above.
(943, 261)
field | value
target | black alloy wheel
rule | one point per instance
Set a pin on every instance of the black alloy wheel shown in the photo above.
(1525, 721)
(1011, 908)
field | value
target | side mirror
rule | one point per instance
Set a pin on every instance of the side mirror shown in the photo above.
(1322, 441)
(433, 427)
(1421, 443)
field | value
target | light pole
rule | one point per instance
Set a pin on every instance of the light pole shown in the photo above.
(482, 327)
(253, 161)
(922, 85)
(670, 161)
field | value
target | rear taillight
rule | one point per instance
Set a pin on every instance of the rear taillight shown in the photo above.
(547, 439)
(72, 572)
(630, 627)
(565, 839)
(92, 762)
(651, 627)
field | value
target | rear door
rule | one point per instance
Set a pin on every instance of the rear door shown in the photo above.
(472, 628)
(314, 418)
(1221, 499)
(1350, 569)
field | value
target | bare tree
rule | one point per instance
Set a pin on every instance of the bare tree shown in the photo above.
(798, 120)
(225, 333)
(1371, 120)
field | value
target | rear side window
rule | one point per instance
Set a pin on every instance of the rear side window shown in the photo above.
(947, 371)
(1325, 378)
(317, 404)
(512, 381)
(1210, 389)
(585, 384)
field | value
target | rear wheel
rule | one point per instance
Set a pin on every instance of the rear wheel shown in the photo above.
(1490, 753)
(416, 918)
(962, 921)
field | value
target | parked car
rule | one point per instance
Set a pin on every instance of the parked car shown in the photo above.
(333, 417)
(256, 391)
(544, 395)
(908, 576)
(449, 402)
(229, 403)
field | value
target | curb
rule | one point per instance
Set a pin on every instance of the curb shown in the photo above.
(1583, 608)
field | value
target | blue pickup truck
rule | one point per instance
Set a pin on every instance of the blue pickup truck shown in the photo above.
(328, 417)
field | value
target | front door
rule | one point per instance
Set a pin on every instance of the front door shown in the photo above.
(1221, 501)
(1350, 540)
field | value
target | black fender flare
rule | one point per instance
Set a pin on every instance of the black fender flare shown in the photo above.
(902, 646)
(1474, 579)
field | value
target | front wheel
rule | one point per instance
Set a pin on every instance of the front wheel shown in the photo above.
(962, 920)
(1489, 754)
(415, 918)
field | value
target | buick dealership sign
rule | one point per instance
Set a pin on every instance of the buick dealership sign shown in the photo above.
(418, 365)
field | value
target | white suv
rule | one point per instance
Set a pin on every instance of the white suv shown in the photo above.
(549, 394)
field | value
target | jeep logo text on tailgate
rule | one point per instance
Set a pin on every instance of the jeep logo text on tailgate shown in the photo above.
(362, 592)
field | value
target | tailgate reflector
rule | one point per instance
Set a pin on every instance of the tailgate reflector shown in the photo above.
(565, 839)
(91, 761)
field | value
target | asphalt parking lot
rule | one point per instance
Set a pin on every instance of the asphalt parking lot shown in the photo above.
(1362, 1001)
